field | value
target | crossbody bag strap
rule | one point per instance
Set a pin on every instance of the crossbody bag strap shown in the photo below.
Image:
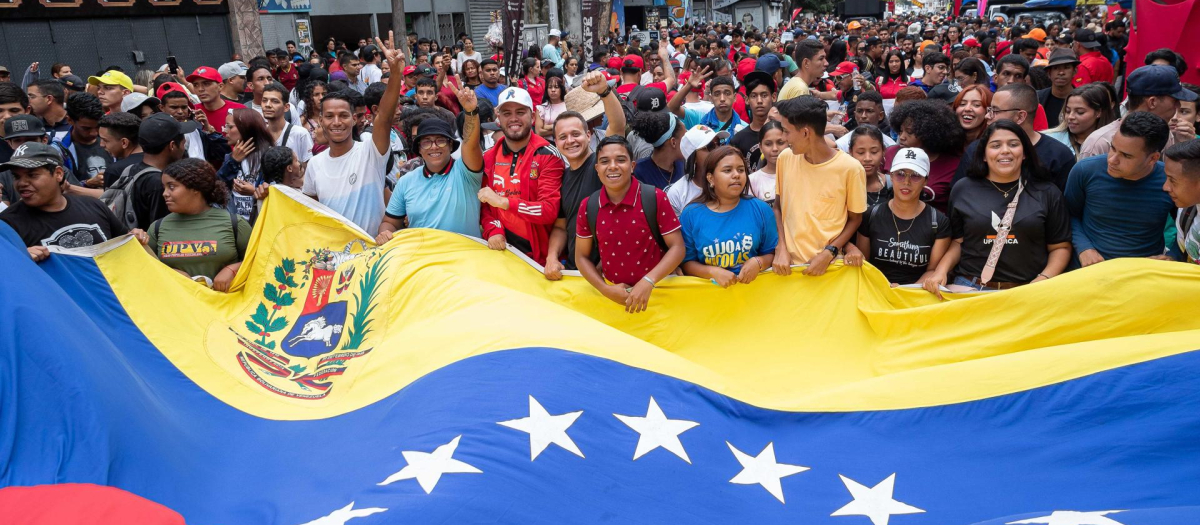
(989, 269)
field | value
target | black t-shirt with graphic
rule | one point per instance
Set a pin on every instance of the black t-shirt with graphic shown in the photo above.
(84, 222)
(902, 256)
(577, 185)
(747, 141)
(976, 210)
(90, 160)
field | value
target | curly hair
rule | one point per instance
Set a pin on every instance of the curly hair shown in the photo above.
(650, 125)
(199, 175)
(84, 105)
(933, 123)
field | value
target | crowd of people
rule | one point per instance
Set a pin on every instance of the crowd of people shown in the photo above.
(950, 153)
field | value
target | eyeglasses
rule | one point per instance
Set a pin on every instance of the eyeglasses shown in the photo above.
(440, 142)
(905, 176)
(993, 111)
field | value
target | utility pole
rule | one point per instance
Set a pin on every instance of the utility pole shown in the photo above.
(398, 26)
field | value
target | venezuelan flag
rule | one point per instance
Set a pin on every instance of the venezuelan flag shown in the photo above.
(430, 380)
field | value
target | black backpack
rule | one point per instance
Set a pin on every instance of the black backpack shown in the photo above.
(119, 196)
(649, 209)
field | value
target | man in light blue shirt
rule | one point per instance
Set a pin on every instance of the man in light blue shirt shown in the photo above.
(550, 50)
(442, 194)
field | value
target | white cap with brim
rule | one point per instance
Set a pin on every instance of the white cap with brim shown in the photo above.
(514, 95)
(698, 137)
(913, 159)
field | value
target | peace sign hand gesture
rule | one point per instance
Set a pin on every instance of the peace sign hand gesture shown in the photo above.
(391, 53)
(466, 96)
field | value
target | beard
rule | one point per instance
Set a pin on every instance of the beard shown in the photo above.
(520, 135)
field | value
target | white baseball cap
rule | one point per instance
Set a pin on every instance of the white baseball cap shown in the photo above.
(555, 32)
(911, 159)
(514, 95)
(698, 137)
(133, 101)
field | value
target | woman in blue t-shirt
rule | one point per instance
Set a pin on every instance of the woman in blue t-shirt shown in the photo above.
(730, 236)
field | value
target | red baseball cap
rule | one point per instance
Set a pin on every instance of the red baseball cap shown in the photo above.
(632, 61)
(614, 63)
(845, 68)
(168, 87)
(744, 67)
(206, 73)
(410, 70)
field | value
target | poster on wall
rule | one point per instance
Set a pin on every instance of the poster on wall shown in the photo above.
(303, 37)
(618, 17)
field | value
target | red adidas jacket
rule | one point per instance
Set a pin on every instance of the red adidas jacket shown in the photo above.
(540, 168)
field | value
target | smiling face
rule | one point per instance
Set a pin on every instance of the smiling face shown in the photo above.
(38, 187)
(572, 138)
(907, 185)
(337, 119)
(1004, 153)
(435, 151)
(614, 166)
(1081, 118)
(1183, 188)
(971, 113)
(515, 120)
(935, 74)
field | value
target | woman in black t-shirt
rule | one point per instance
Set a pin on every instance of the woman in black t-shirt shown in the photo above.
(1038, 244)
(902, 236)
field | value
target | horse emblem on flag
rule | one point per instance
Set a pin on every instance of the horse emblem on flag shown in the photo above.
(302, 357)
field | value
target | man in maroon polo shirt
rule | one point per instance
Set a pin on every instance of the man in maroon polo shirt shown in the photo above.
(633, 259)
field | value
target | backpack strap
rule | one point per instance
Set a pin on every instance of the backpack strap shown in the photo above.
(874, 211)
(287, 133)
(593, 209)
(933, 218)
(233, 222)
(154, 228)
(650, 209)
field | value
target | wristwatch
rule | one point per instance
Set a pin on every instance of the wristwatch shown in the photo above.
(833, 249)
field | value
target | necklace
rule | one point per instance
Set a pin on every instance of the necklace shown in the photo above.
(911, 222)
(1005, 192)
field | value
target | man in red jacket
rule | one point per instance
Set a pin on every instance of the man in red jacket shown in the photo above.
(522, 180)
(1093, 66)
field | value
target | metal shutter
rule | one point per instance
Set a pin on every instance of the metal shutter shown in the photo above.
(75, 43)
(150, 37)
(481, 18)
(28, 41)
(184, 43)
(113, 42)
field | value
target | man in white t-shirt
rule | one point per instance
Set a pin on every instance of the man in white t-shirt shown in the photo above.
(349, 176)
(275, 110)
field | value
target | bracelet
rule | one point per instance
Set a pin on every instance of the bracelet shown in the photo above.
(471, 113)
(1044, 275)
(649, 280)
(607, 91)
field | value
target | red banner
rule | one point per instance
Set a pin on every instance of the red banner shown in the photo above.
(1166, 25)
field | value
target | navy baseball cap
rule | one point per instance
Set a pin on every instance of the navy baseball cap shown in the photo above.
(768, 63)
(1148, 81)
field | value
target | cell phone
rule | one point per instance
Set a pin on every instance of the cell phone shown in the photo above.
(172, 65)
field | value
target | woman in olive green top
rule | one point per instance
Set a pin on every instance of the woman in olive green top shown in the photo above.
(200, 239)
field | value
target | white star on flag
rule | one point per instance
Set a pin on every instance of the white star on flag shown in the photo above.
(1071, 517)
(763, 470)
(875, 503)
(544, 429)
(344, 514)
(655, 431)
(427, 467)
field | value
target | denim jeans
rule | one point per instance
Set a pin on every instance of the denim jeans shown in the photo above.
(963, 281)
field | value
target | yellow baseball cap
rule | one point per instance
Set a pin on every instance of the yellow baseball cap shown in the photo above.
(112, 78)
(754, 50)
